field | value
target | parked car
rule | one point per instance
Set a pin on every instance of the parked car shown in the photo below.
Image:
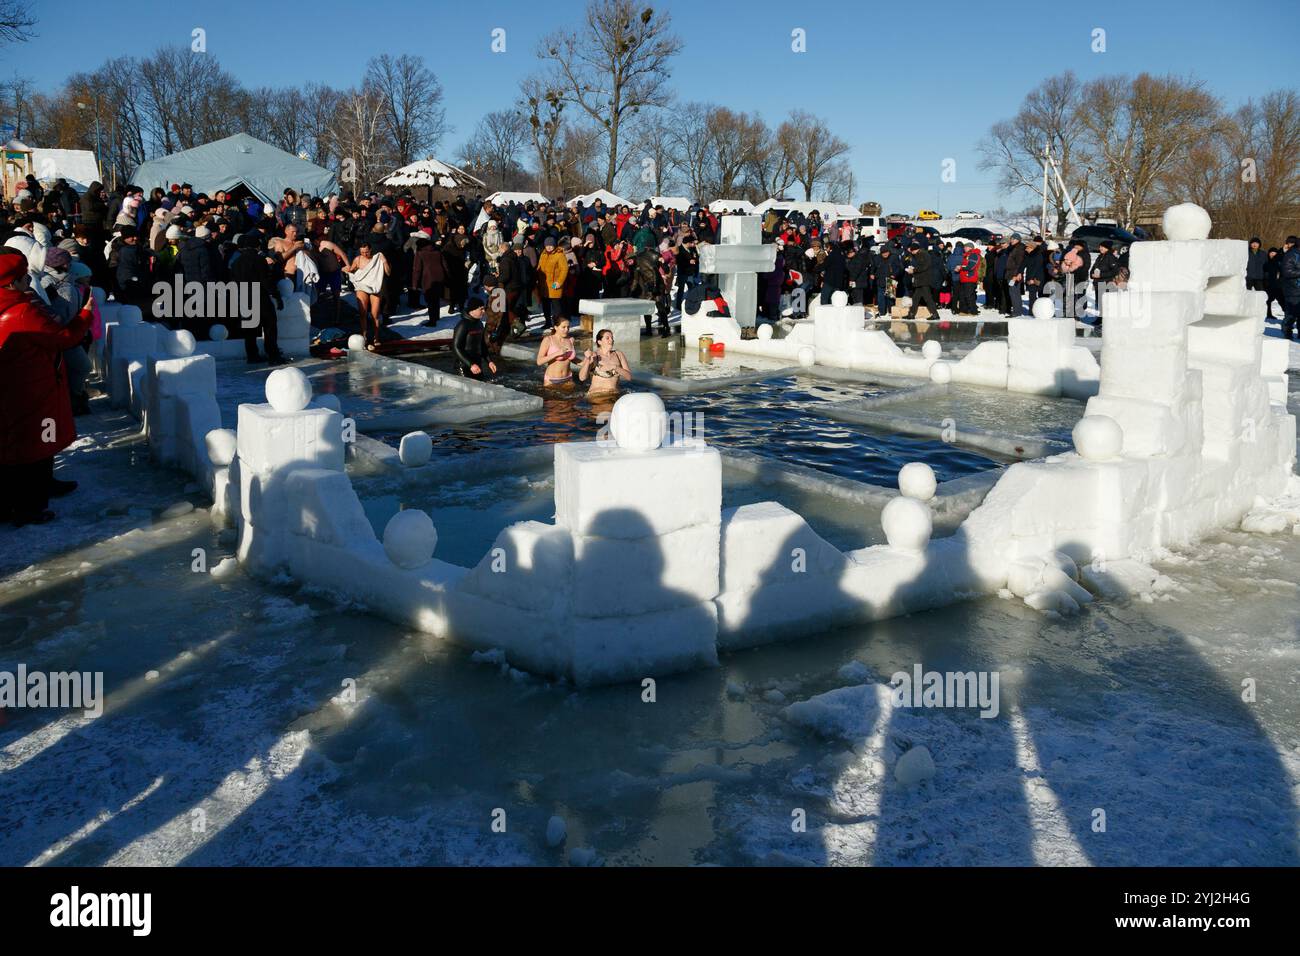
(967, 214)
(895, 217)
(927, 215)
(874, 228)
(973, 233)
(1094, 236)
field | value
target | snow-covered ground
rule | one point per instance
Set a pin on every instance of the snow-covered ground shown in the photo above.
(249, 723)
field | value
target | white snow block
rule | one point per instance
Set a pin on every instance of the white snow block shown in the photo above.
(1153, 374)
(178, 376)
(1187, 265)
(616, 308)
(1150, 428)
(740, 230)
(529, 566)
(327, 508)
(1037, 343)
(606, 650)
(985, 365)
(615, 493)
(130, 343)
(767, 544)
(615, 577)
(271, 441)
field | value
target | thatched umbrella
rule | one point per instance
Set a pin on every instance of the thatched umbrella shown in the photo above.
(431, 172)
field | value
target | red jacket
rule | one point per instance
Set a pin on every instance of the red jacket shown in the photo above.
(34, 401)
(969, 270)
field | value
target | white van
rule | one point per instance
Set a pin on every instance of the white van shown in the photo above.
(874, 228)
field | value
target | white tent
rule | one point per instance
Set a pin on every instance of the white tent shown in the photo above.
(503, 198)
(432, 172)
(604, 195)
(731, 205)
(680, 203)
(829, 211)
(237, 160)
(77, 166)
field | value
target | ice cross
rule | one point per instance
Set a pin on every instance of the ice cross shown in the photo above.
(736, 259)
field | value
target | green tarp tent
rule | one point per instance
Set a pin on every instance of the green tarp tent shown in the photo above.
(234, 161)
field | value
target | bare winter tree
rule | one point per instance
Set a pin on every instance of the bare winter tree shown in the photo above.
(16, 106)
(411, 103)
(651, 154)
(811, 150)
(492, 151)
(320, 107)
(690, 149)
(1262, 167)
(1051, 115)
(770, 173)
(614, 66)
(542, 107)
(357, 137)
(16, 21)
(1136, 130)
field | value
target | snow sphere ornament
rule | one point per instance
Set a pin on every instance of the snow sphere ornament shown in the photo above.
(916, 480)
(638, 421)
(356, 343)
(1044, 308)
(1186, 221)
(218, 333)
(288, 390)
(932, 350)
(1098, 437)
(807, 357)
(416, 449)
(765, 331)
(180, 344)
(328, 400)
(409, 539)
(221, 445)
(839, 298)
(914, 767)
(129, 315)
(99, 295)
(285, 288)
(907, 524)
(941, 373)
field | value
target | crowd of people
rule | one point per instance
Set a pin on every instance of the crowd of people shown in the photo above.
(493, 266)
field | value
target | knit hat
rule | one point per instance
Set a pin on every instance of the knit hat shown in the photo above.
(548, 242)
(57, 259)
(518, 240)
(173, 232)
(202, 232)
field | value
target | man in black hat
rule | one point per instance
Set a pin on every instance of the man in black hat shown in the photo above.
(469, 342)
(1015, 275)
(920, 266)
(1289, 271)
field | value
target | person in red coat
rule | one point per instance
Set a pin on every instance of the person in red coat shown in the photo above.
(36, 420)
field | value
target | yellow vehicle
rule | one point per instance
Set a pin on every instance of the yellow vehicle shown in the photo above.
(925, 215)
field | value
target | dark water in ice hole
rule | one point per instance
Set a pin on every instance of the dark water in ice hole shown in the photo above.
(777, 417)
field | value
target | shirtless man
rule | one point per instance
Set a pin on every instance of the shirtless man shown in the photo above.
(287, 249)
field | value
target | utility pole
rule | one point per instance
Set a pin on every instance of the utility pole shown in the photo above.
(99, 164)
(1042, 221)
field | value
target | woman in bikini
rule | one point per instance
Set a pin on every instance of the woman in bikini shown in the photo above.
(556, 352)
(368, 273)
(606, 367)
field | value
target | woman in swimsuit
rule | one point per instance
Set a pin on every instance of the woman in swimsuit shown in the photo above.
(606, 366)
(556, 352)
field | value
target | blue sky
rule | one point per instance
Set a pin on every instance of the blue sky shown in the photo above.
(907, 84)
